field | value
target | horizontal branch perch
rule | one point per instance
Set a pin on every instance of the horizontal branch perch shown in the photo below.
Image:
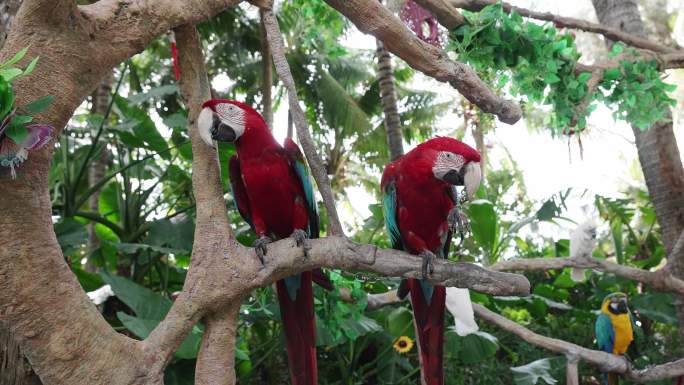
(371, 17)
(602, 360)
(284, 259)
(662, 279)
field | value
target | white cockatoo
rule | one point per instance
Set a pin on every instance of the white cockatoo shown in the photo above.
(582, 244)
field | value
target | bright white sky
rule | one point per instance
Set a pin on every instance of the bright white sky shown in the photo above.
(610, 160)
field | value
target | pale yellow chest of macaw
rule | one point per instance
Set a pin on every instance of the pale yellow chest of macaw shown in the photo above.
(622, 324)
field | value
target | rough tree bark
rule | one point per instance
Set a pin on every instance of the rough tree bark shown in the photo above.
(8, 8)
(388, 97)
(658, 151)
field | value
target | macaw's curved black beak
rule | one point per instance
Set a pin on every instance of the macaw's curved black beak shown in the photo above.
(221, 132)
(622, 307)
(455, 177)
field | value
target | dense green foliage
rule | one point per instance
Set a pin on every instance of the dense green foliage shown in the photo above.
(14, 118)
(145, 216)
(538, 64)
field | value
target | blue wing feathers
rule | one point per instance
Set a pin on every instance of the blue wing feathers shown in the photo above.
(605, 333)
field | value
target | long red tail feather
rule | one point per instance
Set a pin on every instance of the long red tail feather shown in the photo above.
(429, 320)
(299, 321)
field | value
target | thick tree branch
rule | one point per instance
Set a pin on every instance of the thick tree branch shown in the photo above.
(662, 279)
(373, 18)
(53, 11)
(567, 22)
(445, 13)
(216, 357)
(207, 289)
(602, 360)
(283, 259)
(275, 41)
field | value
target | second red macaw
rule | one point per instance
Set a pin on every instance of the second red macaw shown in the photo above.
(421, 212)
(273, 192)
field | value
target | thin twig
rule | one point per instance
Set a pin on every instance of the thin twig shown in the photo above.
(275, 41)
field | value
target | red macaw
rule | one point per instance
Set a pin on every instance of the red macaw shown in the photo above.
(273, 192)
(421, 212)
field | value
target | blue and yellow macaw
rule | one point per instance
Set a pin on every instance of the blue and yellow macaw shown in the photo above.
(614, 332)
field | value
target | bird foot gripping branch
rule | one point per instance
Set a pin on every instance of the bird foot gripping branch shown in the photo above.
(260, 247)
(428, 263)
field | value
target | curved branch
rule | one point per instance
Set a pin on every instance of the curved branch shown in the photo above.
(602, 360)
(568, 22)
(275, 41)
(373, 18)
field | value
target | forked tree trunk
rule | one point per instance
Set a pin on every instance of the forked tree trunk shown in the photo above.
(389, 102)
(657, 148)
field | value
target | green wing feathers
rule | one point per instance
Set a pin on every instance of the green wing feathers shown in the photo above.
(302, 172)
(389, 209)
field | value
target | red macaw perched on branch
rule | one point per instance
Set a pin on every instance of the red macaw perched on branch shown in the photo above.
(273, 192)
(421, 212)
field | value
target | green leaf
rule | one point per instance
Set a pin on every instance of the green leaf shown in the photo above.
(40, 105)
(71, 235)
(29, 68)
(145, 131)
(18, 133)
(89, 281)
(146, 304)
(616, 231)
(484, 224)
(167, 89)
(551, 78)
(656, 306)
(584, 77)
(10, 73)
(18, 56)
(472, 348)
(400, 323)
(612, 74)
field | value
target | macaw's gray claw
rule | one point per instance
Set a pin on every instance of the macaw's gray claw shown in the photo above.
(260, 247)
(458, 222)
(300, 237)
(428, 263)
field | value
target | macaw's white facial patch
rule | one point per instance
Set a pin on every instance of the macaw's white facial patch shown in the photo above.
(614, 306)
(447, 161)
(472, 178)
(232, 116)
(204, 123)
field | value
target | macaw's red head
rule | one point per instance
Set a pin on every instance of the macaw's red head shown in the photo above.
(453, 162)
(227, 120)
